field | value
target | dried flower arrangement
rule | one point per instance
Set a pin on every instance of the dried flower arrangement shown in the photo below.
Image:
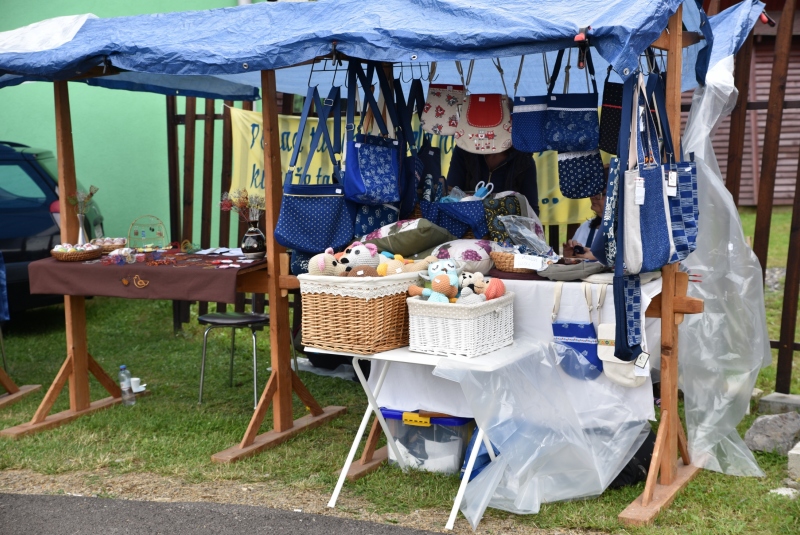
(81, 200)
(249, 206)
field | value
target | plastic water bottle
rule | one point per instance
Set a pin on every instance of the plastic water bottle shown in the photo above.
(128, 397)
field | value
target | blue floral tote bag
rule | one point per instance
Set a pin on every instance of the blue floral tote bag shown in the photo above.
(529, 116)
(372, 163)
(572, 122)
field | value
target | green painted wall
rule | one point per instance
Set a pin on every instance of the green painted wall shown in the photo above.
(119, 136)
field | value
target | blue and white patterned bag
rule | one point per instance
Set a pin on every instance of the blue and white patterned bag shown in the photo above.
(581, 174)
(529, 116)
(579, 335)
(314, 217)
(369, 218)
(572, 124)
(372, 166)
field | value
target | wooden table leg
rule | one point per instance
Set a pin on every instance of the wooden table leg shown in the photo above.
(78, 363)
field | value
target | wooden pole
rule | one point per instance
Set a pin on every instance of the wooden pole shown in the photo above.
(174, 176)
(279, 335)
(189, 130)
(791, 289)
(73, 305)
(225, 182)
(769, 161)
(739, 120)
(208, 185)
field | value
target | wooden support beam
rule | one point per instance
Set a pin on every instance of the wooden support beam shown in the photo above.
(104, 379)
(791, 290)
(208, 185)
(174, 177)
(10, 398)
(688, 39)
(260, 412)
(279, 305)
(636, 514)
(655, 461)
(225, 182)
(304, 395)
(7, 383)
(52, 393)
(741, 78)
(772, 132)
(189, 135)
(58, 419)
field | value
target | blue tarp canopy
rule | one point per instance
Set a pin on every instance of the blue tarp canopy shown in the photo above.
(217, 53)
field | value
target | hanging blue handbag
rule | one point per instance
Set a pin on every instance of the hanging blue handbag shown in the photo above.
(581, 174)
(648, 243)
(529, 116)
(579, 335)
(457, 217)
(625, 303)
(681, 180)
(372, 166)
(572, 122)
(370, 218)
(604, 247)
(315, 216)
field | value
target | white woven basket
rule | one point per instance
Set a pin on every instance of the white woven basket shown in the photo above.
(460, 330)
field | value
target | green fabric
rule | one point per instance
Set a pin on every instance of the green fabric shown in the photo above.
(410, 242)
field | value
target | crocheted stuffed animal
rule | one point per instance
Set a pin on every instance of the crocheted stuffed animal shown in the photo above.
(359, 254)
(420, 265)
(325, 264)
(362, 271)
(391, 267)
(441, 290)
(448, 267)
(496, 288)
(473, 281)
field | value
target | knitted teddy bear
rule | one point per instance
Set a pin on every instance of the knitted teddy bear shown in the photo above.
(362, 271)
(391, 267)
(359, 254)
(325, 264)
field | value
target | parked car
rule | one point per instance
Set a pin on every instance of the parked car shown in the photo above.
(30, 218)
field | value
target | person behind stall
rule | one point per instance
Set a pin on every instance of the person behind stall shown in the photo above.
(581, 243)
(510, 170)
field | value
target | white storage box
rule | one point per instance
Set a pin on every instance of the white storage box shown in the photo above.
(451, 329)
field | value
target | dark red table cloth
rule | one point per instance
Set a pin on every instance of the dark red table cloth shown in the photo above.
(192, 278)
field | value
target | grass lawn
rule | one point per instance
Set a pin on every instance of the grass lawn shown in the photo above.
(168, 434)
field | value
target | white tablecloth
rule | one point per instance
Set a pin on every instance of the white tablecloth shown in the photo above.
(411, 387)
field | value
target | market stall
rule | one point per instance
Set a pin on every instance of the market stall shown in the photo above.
(408, 31)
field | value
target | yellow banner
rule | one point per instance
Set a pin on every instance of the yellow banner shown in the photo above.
(248, 163)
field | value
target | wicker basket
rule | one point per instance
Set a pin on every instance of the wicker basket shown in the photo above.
(113, 247)
(505, 262)
(461, 330)
(355, 315)
(79, 256)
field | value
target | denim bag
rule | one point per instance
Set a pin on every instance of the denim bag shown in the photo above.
(572, 122)
(372, 166)
(314, 217)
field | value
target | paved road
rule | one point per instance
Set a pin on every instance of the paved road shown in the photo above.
(66, 515)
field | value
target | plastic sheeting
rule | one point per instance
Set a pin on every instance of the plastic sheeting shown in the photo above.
(560, 437)
(722, 349)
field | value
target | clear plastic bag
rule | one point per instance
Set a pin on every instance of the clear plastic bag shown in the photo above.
(527, 231)
(722, 349)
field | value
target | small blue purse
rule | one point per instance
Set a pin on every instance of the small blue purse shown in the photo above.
(581, 174)
(372, 167)
(315, 216)
(572, 122)
(529, 116)
(579, 335)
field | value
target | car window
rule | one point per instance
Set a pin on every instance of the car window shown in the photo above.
(18, 189)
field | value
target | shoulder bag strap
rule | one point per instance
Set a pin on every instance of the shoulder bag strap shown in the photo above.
(556, 69)
(330, 108)
(354, 71)
(405, 112)
(587, 296)
(416, 98)
(301, 127)
(386, 91)
(496, 62)
(601, 299)
(557, 299)
(519, 75)
(590, 66)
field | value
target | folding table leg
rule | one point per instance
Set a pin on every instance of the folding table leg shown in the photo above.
(465, 480)
(359, 435)
(374, 404)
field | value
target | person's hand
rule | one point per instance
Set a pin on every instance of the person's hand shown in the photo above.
(569, 248)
